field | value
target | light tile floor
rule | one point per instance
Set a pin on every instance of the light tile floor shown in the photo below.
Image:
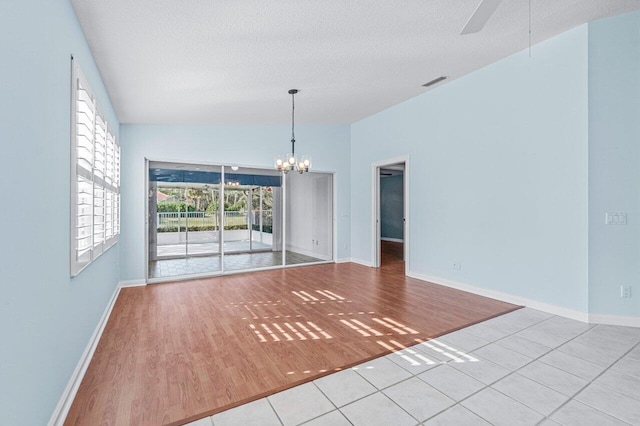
(523, 368)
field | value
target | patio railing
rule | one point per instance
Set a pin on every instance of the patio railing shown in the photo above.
(209, 221)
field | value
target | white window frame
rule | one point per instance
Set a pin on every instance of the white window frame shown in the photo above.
(95, 185)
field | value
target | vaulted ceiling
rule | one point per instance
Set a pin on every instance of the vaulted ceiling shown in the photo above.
(232, 61)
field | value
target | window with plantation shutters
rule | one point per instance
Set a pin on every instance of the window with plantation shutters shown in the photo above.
(95, 177)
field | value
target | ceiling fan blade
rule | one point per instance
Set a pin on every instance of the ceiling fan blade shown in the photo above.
(480, 17)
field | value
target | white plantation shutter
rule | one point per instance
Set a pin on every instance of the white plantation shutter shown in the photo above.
(110, 171)
(99, 165)
(95, 177)
(108, 215)
(116, 184)
(84, 223)
(100, 147)
(83, 119)
(110, 179)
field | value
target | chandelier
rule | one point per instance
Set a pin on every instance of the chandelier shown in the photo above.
(286, 163)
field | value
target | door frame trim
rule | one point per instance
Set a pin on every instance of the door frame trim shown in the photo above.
(146, 219)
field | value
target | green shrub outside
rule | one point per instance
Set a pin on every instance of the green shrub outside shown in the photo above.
(173, 207)
(265, 228)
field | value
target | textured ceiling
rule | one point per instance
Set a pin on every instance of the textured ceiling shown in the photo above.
(232, 61)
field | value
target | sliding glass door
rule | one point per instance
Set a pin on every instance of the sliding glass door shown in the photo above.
(184, 224)
(252, 240)
(261, 216)
(202, 220)
(206, 220)
(171, 214)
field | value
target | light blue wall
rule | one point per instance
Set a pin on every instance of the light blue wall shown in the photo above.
(392, 207)
(244, 145)
(614, 163)
(498, 175)
(46, 318)
(500, 163)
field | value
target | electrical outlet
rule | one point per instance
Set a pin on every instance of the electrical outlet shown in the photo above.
(615, 218)
(625, 291)
(457, 265)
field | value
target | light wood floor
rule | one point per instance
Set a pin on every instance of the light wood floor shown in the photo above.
(173, 353)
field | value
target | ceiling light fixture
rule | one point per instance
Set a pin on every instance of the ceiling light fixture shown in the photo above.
(286, 163)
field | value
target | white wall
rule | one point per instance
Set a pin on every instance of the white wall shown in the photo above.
(310, 214)
(243, 145)
(498, 175)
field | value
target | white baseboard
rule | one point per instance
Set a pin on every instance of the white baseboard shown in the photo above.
(395, 240)
(344, 260)
(64, 404)
(505, 297)
(627, 321)
(362, 262)
(306, 252)
(133, 283)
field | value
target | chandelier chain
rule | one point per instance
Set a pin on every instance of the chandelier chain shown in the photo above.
(293, 116)
(529, 28)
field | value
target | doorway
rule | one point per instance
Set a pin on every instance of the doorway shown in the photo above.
(390, 213)
(205, 220)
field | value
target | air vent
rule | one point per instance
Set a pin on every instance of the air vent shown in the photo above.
(434, 81)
